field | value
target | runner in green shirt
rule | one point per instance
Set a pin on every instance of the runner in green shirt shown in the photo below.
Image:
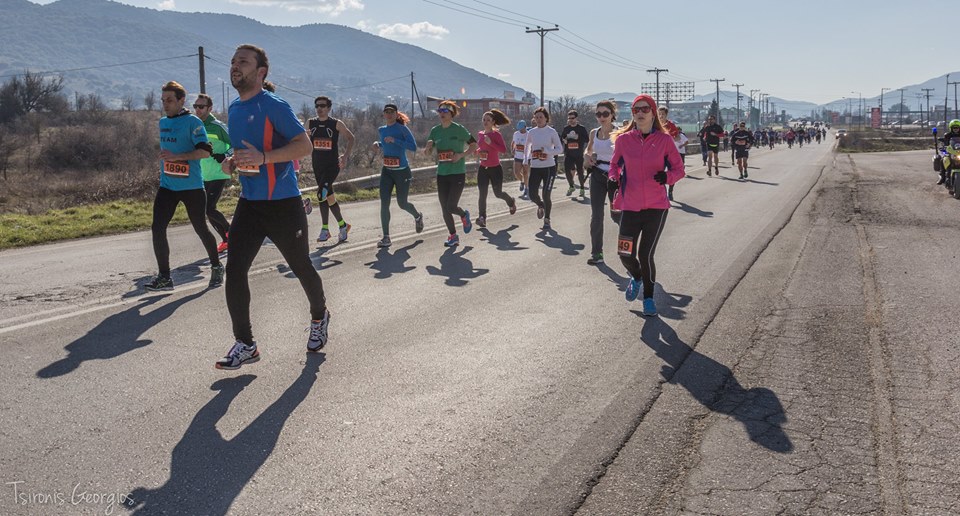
(214, 179)
(452, 142)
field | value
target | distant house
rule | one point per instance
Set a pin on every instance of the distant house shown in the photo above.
(474, 108)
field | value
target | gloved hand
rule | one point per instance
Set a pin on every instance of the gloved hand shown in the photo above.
(660, 177)
(219, 157)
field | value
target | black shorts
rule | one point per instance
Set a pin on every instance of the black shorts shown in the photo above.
(713, 147)
(741, 152)
(325, 175)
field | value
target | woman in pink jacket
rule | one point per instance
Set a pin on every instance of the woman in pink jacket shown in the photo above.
(644, 160)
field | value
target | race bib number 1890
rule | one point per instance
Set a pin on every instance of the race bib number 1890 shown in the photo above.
(176, 168)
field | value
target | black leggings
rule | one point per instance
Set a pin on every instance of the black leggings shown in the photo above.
(548, 175)
(449, 190)
(164, 206)
(494, 177)
(601, 189)
(571, 161)
(647, 226)
(285, 224)
(219, 222)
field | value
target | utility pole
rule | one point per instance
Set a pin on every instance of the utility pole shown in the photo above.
(411, 96)
(927, 94)
(739, 116)
(901, 109)
(542, 32)
(203, 75)
(946, 97)
(881, 104)
(718, 81)
(658, 71)
(955, 113)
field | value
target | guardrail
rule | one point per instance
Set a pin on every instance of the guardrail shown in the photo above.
(374, 179)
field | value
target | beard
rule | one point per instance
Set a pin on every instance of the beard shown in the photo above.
(244, 82)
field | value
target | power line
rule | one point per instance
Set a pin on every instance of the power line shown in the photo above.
(600, 59)
(50, 72)
(524, 22)
(472, 14)
(511, 12)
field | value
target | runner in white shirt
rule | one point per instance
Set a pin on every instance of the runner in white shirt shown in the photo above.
(543, 144)
(521, 168)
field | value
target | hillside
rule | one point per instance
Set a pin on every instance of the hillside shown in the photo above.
(70, 34)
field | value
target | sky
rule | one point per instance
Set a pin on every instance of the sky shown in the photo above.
(816, 50)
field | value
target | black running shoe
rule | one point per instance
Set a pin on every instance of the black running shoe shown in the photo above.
(159, 283)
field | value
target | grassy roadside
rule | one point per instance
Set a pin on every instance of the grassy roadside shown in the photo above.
(116, 217)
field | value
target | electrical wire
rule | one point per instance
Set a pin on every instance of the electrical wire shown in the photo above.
(66, 70)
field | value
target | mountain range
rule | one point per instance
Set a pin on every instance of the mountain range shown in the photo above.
(346, 64)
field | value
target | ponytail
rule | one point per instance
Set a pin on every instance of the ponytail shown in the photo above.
(402, 118)
(498, 117)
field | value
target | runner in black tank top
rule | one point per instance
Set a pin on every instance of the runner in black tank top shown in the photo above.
(325, 133)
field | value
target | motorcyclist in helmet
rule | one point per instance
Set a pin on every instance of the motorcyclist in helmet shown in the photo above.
(947, 140)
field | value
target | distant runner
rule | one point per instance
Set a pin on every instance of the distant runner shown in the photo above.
(325, 135)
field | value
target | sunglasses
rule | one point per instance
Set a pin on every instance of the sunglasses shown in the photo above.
(641, 109)
(389, 111)
(444, 110)
(603, 114)
(318, 106)
(200, 106)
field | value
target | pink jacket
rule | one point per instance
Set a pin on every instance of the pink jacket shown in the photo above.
(641, 159)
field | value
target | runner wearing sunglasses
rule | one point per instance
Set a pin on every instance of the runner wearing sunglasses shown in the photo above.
(574, 137)
(644, 159)
(214, 179)
(453, 143)
(325, 134)
(598, 155)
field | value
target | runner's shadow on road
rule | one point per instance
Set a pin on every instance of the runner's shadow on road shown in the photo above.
(714, 385)
(554, 240)
(116, 335)
(181, 276)
(501, 239)
(616, 279)
(388, 264)
(693, 210)
(690, 176)
(457, 269)
(207, 472)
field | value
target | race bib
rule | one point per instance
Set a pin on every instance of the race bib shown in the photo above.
(539, 154)
(323, 144)
(741, 142)
(625, 246)
(176, 168)
(248, 170)
(483, 155)
(445, 156)
(391, 162)
(573, 145)
(520, 148)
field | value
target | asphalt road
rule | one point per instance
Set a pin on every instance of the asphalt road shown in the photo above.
(792, 369)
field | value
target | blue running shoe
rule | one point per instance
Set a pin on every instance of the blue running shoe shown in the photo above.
(649, 307)
(633, 289)
(452, 241)
(465, 220)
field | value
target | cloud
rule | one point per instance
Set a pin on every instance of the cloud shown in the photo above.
(166, 4)
(331, 7)
(364, 25)
(412, 31)
(503, 75)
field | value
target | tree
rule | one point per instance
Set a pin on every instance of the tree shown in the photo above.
(149, 100)
(127, 102)
(305, 112)
(8, 145)
(30, 93)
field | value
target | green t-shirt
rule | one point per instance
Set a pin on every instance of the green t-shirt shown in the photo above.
(455, 138)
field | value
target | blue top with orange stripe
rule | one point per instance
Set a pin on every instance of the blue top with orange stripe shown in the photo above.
(266, 122)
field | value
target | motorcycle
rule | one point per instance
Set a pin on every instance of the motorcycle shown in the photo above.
(946, 161)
